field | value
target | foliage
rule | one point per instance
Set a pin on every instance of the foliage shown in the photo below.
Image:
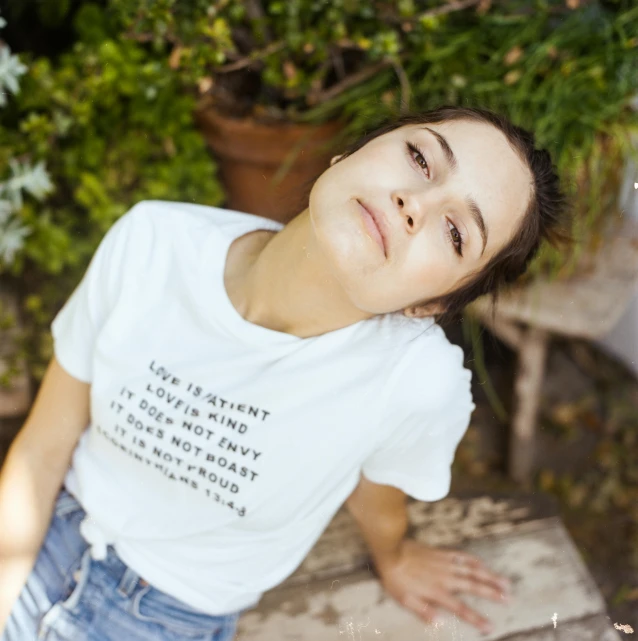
(568, 74)
(273, 59)
(10, 69)
(113, 126)
(110, 118)
(569, 78)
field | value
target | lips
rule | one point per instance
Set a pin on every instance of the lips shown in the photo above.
(376, 225)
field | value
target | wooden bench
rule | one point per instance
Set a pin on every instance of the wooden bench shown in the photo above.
(587, 305)
(335, 594)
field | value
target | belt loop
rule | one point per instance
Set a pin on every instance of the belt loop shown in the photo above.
(128, 582)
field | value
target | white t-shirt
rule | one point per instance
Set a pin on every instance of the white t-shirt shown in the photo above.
(218, 450)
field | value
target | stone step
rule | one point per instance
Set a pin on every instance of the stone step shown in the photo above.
(336, 595)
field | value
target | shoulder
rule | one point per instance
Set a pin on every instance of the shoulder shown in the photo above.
(178, 220)
(157, 226)
(158, 213)
(432, 375)
(433, 359)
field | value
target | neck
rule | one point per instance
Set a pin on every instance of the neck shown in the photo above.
(283, 283)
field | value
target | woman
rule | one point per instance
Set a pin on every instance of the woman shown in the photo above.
(241, 380)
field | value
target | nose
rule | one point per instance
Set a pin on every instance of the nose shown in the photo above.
(410, 208)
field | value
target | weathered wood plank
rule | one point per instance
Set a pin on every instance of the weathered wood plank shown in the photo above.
(586, 305)
(450, 522)
(527, 387)
(596, 628)
(539, 557)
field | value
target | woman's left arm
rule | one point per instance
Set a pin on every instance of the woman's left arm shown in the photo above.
(419, 577)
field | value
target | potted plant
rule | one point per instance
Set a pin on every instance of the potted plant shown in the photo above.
(275, 78)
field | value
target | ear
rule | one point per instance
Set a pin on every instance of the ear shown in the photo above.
(423, 311)
(334, 159)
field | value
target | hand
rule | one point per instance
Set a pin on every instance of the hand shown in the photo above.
(421, 578)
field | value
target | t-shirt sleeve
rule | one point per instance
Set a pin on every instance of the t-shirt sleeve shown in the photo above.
(76, 325)
(431, 405)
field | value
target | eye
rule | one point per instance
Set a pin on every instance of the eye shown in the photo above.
(456, 238)
(415, 154)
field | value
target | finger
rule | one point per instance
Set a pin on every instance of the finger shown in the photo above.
(490, 578)
(464, 558)
(463, 611)
(468, 564)
(470, 586)
(425, 611)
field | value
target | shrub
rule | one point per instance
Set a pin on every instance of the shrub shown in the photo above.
(113, 126)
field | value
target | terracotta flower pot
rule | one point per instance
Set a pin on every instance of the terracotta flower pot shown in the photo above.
(250, 154)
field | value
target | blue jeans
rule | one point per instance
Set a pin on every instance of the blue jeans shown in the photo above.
(69, 596)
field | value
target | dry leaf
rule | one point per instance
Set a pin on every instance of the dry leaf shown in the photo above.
(576, 495)
(513, 55)
(169, 146)
(483, 7)
(512, 76)
(176, 54)
(572, 4)
(290, 71)
(546, 480)
(478, 468)
(388, 98)
(205, 84)
(565, 413)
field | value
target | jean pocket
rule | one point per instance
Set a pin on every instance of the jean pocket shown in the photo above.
(153, 606)
(66, 504)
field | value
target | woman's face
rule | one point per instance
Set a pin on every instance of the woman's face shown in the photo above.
(431, 236)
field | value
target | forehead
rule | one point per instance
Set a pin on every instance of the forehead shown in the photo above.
(489, 170)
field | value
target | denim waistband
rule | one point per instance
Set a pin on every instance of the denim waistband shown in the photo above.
(128, 579)
(148, 605)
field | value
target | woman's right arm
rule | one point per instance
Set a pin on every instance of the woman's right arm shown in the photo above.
(33, 473)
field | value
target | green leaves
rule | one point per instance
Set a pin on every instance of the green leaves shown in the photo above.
(112, 117)
(112, 123)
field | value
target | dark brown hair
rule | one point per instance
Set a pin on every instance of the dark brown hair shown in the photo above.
(544, 219)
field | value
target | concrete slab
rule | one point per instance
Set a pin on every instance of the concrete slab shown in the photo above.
(550, 584)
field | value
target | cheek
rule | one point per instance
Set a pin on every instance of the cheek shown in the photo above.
(430, 268)
(345, 250)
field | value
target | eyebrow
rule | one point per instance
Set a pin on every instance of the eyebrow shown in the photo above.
(453, 165)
